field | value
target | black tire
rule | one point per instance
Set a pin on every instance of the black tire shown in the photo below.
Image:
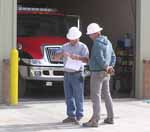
(21, 87)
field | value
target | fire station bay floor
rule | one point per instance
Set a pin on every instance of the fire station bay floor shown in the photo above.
(131, 115)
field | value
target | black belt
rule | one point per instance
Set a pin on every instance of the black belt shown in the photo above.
(73, 72)
(97, 70)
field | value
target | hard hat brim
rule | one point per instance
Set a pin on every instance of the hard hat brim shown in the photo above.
(100, 29)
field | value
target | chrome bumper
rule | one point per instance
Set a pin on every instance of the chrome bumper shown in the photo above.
(43, 73)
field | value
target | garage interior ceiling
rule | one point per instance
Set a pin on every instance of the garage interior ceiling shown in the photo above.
(117, 17)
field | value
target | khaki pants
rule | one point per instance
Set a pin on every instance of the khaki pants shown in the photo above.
(99, 86)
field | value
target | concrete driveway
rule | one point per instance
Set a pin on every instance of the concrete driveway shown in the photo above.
(131, 115)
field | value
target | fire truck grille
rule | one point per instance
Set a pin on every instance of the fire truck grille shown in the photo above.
(58, 73)
(50, 52)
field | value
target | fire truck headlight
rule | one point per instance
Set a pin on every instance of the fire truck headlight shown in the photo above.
(37, 73)
(35, 62)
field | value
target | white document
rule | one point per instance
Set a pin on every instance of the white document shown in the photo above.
(73, 64)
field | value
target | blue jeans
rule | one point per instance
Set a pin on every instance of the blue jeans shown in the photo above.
(74, 94)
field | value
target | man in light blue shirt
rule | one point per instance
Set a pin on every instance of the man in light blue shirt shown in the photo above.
(101, 65)
(73, 80)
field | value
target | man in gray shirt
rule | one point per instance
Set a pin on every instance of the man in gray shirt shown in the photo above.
(73, 80)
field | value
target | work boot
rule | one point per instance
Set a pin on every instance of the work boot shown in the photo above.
(78, 121)
(91, 123)
(109, 121)
(69, 120)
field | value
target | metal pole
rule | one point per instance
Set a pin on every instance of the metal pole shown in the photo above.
(14, 77)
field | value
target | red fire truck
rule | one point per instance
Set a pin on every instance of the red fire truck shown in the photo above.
(40, 32)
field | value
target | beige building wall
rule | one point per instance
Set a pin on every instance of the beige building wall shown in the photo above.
(7, 32)
(142, 42)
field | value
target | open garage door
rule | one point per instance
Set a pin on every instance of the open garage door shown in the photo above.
(118, 20)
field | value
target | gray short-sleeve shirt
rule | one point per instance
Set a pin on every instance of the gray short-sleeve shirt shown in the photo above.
(78, 49)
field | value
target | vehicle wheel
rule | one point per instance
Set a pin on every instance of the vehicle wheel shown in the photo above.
(21, 86)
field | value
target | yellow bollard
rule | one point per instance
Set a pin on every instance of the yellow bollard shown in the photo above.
(14, 77)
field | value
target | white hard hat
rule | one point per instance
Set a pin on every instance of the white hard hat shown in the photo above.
(73, 33)
(93, 28)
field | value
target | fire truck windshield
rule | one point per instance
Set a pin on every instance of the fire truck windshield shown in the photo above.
(41, 25)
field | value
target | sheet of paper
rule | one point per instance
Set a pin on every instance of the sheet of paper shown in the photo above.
(73, 64)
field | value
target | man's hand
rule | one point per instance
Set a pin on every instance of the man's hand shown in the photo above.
(78, 57)
(66, 54)
(75, 57)
(110, 70)
(58, 56)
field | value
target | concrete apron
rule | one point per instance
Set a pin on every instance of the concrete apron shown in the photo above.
(131, 115)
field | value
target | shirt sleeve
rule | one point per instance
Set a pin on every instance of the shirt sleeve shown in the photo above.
(85, 51)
